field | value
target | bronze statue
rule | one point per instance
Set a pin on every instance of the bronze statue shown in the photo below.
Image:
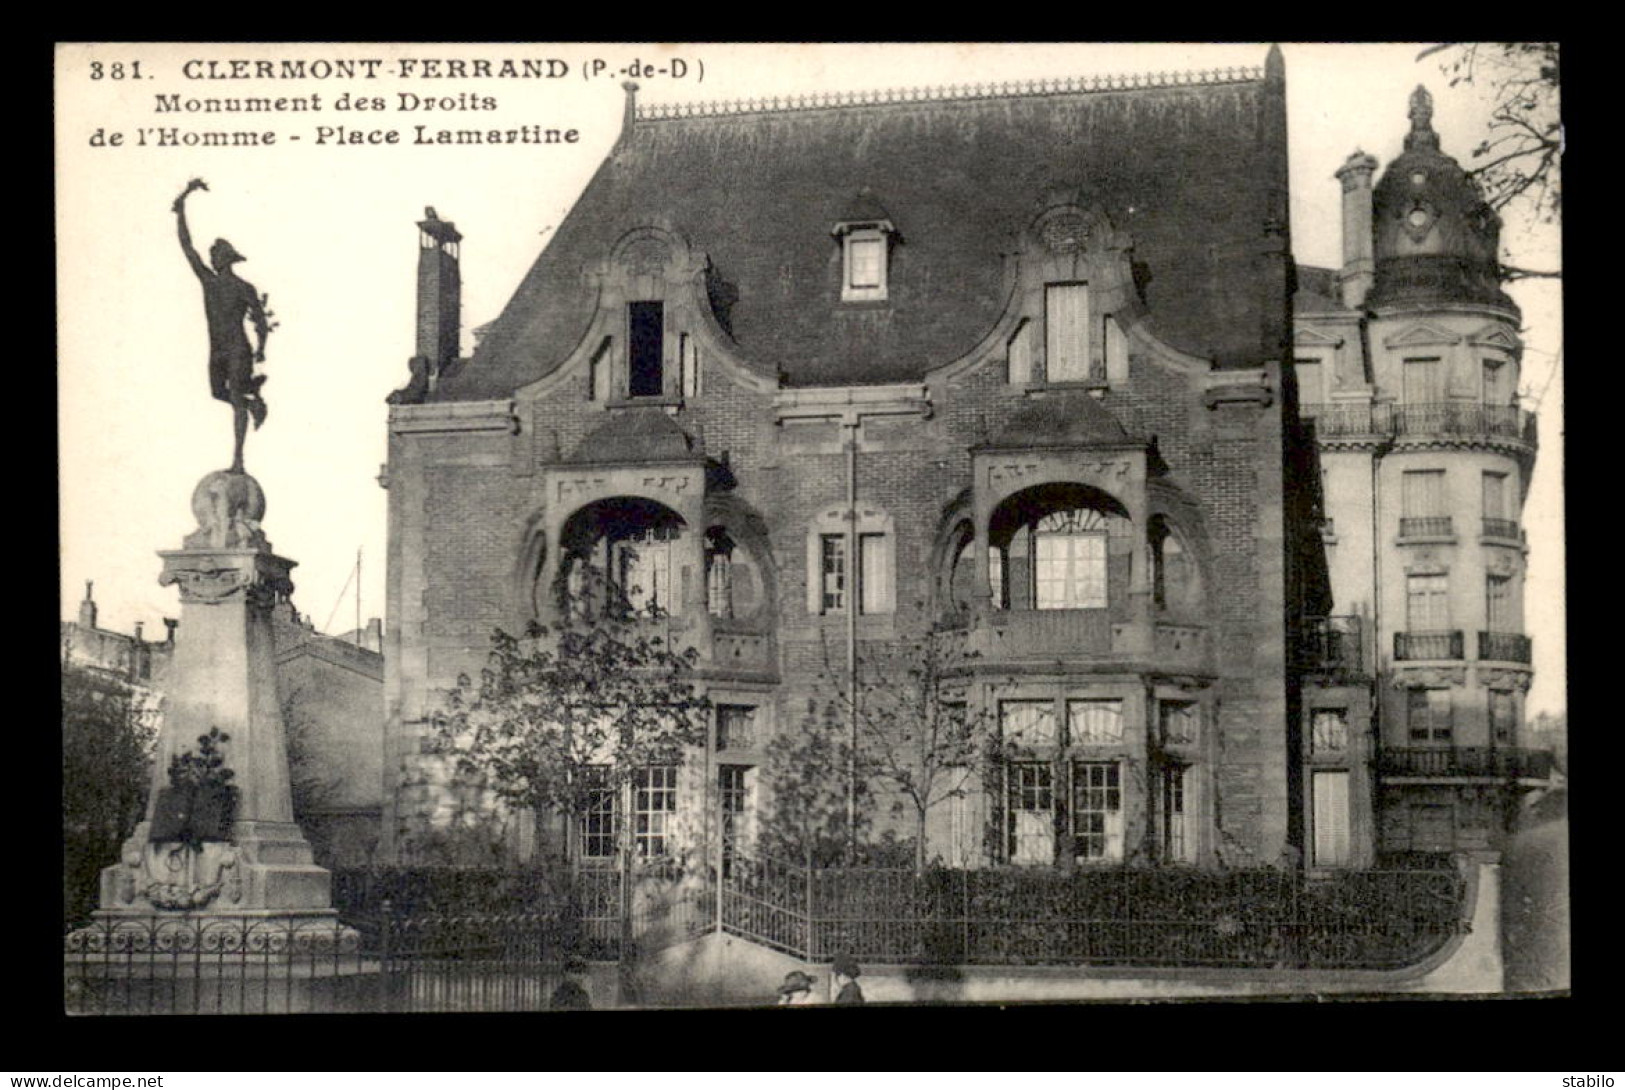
(229, 300)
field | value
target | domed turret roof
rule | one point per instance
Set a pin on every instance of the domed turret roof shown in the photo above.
(1437, 241)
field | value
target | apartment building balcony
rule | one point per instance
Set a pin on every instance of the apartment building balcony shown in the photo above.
(1505, 647)
(1332, 645)
(1428, 646)
(1465, 763)
(1008, 637)
(1426, 420)
(1428, 527)
(1502, 529)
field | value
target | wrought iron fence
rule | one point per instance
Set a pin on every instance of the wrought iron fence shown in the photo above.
(1467, 761)
(1505, 647)
(1124, 917)
(1452, 418)
(1426, 526)
(1411, 646)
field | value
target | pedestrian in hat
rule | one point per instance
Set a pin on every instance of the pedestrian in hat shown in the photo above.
(796, 991)
(846, 971)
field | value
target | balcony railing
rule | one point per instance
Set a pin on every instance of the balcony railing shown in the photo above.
(1502, 528)
(1411, 646)
(1433, 418)
(1505, 647)
(1426, 526)
(1332, 645)
(1465, 761)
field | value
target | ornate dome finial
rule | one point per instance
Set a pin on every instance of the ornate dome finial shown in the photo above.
(1421, 110)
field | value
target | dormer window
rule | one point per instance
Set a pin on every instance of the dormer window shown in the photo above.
(865, 233)
(865, 262)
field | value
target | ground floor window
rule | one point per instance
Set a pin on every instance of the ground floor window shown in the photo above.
(1331, 815)
(1092, 814)
(733, 794)
(1097, 812)
(598, 814)
(1176, 840)
(654, 810)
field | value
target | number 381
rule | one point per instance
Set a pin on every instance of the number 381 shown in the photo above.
(116, 70)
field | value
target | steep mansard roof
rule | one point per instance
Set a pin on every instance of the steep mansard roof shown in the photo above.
(1192, 170)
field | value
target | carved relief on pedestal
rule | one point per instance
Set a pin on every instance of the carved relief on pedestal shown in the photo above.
(207, 585)
(177, 876)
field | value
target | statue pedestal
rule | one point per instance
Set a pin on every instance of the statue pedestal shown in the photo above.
(223, 676)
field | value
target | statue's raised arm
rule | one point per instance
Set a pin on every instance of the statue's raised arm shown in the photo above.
(179, 208)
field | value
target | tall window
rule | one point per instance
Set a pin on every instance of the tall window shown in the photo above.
(642, 567)
(1031, 808)
(646, 339)
(1427, 603)
(1331, 814)
(1503, 718)
(1066, 332)
(1069, 561)
(654, 810)
(1329, 730)
(1422, 493)
(1495, 495)
(1311, 382)
(874, 582)
(1427, 715)
(1097, 811)
(1499, 614)
(1423, 381)
(1175, 836)
(832, 569)
(874, 573)
(1497, 384)
(733, 796)
(598, 814)
(719, 573)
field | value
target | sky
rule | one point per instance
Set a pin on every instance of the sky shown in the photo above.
(328, 228)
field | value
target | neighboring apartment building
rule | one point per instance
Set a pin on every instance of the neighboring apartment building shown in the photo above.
(331, 691)
(1407, 364)
(814, 376)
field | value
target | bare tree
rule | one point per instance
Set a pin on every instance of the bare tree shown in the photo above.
(1518, 162)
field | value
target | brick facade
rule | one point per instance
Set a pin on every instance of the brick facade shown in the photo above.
(1177, 423)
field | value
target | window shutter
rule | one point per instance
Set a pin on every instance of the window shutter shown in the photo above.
(874, 580)
(1331, 819)
(1116, 351)
(1066, 325)
(1422, 385)
(1311, 388)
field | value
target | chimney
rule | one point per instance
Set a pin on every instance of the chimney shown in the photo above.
(87, 608)
(172, 624)
(439, 294)
(1359, 265)
(374, 640)
(138, 628)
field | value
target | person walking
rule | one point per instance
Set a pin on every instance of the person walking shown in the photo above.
(846, 972)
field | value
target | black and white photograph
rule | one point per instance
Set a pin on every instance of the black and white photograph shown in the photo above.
(561, 526)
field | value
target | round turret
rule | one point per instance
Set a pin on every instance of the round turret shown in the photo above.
(1437, 241)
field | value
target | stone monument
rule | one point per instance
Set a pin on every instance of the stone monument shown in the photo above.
(219, 846)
